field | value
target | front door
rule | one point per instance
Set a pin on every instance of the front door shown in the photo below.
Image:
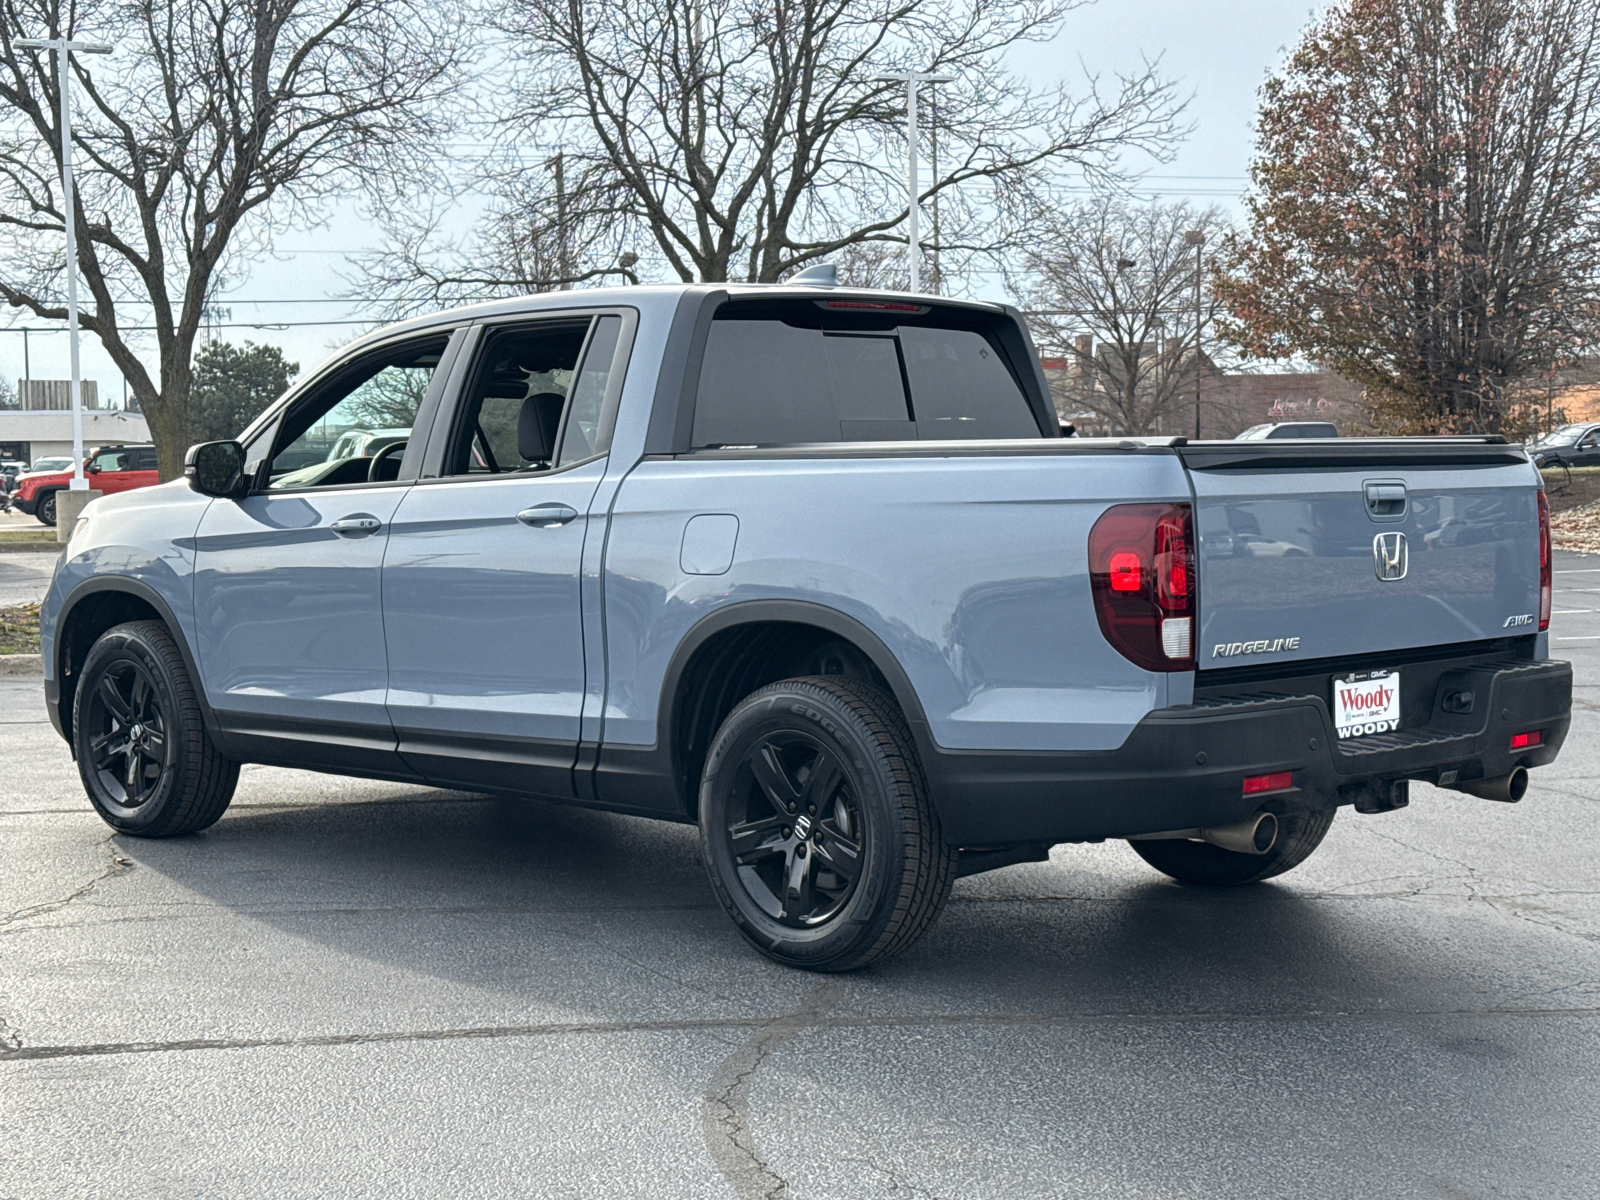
(287, 600)
(481, 581)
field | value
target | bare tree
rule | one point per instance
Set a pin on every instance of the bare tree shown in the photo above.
(741, 139)
(215, 125)
(1111, 287)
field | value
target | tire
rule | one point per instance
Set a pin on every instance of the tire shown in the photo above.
(46, 512)
(816, 826)
(146, 761)
(1202, 863)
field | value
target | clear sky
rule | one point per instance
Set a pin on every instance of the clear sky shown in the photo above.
(1219, 51)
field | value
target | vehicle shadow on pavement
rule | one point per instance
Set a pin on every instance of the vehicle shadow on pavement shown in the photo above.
(560, 905)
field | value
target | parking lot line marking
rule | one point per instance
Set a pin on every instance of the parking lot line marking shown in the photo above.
(1570, 612)
(1580, 571)
(1588, 637)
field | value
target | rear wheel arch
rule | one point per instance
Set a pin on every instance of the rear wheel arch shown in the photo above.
(101, 604)
(744, 647)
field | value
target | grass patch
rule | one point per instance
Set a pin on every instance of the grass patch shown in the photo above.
(19, 629)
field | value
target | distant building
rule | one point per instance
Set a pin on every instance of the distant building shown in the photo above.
(55, 395)
(1230, 402)
(27, 435)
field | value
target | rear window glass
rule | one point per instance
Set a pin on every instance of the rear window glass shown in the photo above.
(767, 381)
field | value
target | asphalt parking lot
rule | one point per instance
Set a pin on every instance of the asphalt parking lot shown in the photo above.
(364, 989)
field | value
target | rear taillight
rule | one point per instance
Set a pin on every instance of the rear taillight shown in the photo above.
(1522, 741)
(1544, 562)
(1141, 571)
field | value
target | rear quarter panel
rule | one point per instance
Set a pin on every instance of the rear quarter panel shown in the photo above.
(971, 570)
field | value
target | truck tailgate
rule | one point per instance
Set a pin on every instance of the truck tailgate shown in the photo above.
(1314, 550)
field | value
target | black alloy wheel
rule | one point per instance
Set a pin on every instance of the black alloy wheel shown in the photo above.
(816, 827)
(146, 760)
(46, 511)
(128, 746)
(795, 829)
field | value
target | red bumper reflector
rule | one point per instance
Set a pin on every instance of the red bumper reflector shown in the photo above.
(1278, 781)
(1521, 741)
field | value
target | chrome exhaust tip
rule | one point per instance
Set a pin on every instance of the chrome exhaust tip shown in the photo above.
(1253, 835)
(1508, 789)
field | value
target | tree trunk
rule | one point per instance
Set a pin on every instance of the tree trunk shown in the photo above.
(169, 429)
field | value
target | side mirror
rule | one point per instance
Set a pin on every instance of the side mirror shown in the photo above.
(216, 469)
(92, 468)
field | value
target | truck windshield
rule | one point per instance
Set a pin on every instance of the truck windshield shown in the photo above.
(803, 376)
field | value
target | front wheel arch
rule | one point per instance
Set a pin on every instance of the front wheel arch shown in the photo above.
(97, 605)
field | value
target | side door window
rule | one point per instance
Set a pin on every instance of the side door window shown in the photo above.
(356, 428)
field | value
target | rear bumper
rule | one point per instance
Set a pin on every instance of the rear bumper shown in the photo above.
(1183, 768)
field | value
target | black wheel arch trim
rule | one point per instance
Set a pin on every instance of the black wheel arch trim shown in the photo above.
(640, 776)
(56, 695)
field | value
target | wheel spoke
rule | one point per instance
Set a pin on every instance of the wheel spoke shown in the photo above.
(155, 742)
(766, 763)
(797, 885)
(138, 696)
(822, 782)
(131, 773)
(113, 700)
(841, 855)
(756, 839)
(107, 747)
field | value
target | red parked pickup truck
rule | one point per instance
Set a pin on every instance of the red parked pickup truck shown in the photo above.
(109, 469)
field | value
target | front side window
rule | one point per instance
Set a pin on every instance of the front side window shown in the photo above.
(357, 427)
(112, 460)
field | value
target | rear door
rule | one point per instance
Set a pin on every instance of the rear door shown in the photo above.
(481, 583)
(1313, 551)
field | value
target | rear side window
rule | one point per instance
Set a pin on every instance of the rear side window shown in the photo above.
(768, 380)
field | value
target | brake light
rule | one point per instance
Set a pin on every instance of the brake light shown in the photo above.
(873, 306)
(1521, 741)
(1544, 562)
(1141, 573)
(1278, 781)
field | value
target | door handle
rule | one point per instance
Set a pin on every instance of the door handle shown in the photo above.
(355, 525)
(544, 516)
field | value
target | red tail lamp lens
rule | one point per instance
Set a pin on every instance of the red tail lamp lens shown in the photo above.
(1278, 781)
(1126, 571)
(1521, 741)
(1141, 573)
(1544, 562)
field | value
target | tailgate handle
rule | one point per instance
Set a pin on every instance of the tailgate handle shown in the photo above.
(1386, 501)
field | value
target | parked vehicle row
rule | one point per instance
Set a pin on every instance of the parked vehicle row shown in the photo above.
(812, 568)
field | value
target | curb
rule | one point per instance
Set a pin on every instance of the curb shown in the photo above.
(18, 547)
(21, 666)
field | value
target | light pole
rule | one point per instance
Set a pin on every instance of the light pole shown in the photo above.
(64, 48)
(911, 79)
(1196, 239)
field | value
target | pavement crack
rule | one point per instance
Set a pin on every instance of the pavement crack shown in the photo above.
(117, 866)
(725, 1109)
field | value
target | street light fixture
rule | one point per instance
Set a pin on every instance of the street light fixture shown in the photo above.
(911, 79)
(1196, 239)
(65, 48)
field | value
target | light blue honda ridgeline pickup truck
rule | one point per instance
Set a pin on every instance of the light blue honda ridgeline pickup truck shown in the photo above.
(811, 567)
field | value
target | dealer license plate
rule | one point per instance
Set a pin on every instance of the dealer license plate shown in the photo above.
(1365, 703)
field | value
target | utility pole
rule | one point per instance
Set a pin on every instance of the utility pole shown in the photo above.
(560, 164)
(1196, 239)
(64, 48)
(911, 79)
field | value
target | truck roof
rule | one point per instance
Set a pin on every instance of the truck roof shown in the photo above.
(648, 295)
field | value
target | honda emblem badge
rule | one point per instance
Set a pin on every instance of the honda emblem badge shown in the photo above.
(1389, 557)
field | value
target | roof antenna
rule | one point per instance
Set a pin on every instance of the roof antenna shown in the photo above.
(819, 275)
